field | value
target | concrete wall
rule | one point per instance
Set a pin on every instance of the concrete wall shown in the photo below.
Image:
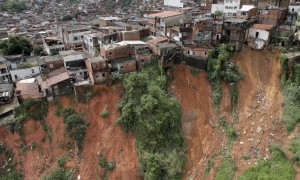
(262, 34)
(24, 73)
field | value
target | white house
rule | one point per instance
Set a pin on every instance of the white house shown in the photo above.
(261, 31)
(231, 8)
(91, 44)
(73, 36)
(24, 73)
(176, 3)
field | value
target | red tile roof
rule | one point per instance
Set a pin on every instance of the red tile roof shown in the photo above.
(262, 26)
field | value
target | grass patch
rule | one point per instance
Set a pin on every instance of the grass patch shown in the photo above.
(295, 149)
(194, 71)
(291, 110)
(209, 164)
(61, 174)
(105, 112)
(61, 160)
(290, 82)
(277, 167)
(229, 130)
(226, 169)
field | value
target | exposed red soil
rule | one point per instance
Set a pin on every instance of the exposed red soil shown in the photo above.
(259, 110)
(260, 107)
(202, 141)
(102, 136)
(105, 137)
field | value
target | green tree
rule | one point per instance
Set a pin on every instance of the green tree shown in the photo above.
(15, 6)
(218, 13)
(38, 50)
(15, 45)
(67, 17)
(154, 118)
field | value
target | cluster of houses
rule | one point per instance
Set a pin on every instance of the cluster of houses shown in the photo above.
(91, 49)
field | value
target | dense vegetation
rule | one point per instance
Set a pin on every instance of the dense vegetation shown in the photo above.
(15, 45)
(220, 68)
(153, 117)
(290, 82)
(12, 6)
(75, 125)
(295, 149)
(277, 167)
(36, 109)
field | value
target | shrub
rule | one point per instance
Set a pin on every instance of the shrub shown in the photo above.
(226, 169)
(57, 112)
(75, 125)
(103, 162)
(60, 173)
(61, 160)
(105, 112)
(230, 132)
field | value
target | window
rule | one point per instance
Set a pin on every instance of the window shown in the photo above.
(205, 53)
(226, 7)
(32, 71)
(234, 14)
(75, 38)
(91, 40)
(110, 53)
(16, 77)
(234, 7)
(257, 34)
(51, 66)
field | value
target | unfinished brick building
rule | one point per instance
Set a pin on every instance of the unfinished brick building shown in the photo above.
(272, 16)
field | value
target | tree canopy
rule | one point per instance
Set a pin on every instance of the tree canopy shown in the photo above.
(154, 118)
(15, 45)
(15, 6)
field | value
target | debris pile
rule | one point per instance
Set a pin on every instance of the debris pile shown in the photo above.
(256, 43)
